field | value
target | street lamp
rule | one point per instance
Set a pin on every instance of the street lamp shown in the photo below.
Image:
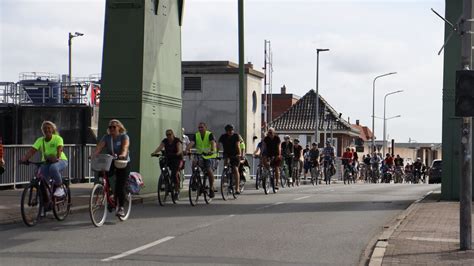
(385, 120)
(76, 34)
(373, 107)
(316, 134)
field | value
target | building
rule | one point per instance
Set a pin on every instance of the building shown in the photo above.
(299, 122)
(409, 151)
(363, 143)
(278, 103)
(211, 95)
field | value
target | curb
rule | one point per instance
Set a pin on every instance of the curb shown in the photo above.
(381, 241)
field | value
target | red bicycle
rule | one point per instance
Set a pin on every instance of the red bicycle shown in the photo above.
(102, 198)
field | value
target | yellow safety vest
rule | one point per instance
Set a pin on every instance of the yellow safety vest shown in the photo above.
(203, 145)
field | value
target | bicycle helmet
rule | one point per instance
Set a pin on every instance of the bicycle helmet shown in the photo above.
(287, 137)
(328, 142)
(229, 127)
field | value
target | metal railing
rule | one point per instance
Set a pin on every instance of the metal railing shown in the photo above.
(78, 168)
(15, 174)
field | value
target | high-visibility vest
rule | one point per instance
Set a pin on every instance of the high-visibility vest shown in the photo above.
(203, 145)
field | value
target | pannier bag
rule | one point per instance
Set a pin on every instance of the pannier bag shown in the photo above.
(135, 183)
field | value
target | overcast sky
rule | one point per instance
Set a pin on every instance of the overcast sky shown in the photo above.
(366, 38)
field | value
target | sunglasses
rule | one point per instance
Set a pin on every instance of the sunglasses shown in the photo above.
(112, 127)
(168, 134)
(200, 127)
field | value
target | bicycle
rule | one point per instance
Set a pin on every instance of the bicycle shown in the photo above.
(398, 174)
(329, 171)
(228, 186)
(296, 174)
(284, 175)
(258, 176)
(166, 184)
(197, 183)
(315, 173)
(102, 198)
(38, 198)
(347, 174)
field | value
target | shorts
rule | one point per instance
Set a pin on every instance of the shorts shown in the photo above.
(234, 161)
(206, 163)
(274, 161)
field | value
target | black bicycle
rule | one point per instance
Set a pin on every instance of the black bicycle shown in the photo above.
(198, 183)
(166, 184)
(228, 184)
(38, 198)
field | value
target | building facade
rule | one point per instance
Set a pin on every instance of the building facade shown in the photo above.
(299, 122)
(211, 95)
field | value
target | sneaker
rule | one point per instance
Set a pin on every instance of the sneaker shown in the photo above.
(120, 212)
(176, 195)
(59, 192)
(211, 194)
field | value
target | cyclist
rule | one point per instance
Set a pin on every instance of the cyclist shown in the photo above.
(243, 161)
(328, 161)
(355, 162)
(398, 161)
(116, 143)
(287, 152)
(417, 165)
(306, 162)
(388, 160)
(231, 144)
(298, 158)
(51, 147)
(347, 159)
(205, 146)
(271, 155)
(173, 150)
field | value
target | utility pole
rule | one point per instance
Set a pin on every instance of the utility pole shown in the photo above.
(242, 85)
(466, 137)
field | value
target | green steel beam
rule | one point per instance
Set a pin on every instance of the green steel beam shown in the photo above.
(242, 82)
(141, 76)
(451, 125)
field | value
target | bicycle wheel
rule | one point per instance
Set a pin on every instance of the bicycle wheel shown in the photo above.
(265, 181)
(283, 177)
(194, 189)
(258, 177)
(226, 191)
(127, 207)
(98, 205)
(273, 183)
(162, 190)
(206, 190)
(62, 205)
(31, 204)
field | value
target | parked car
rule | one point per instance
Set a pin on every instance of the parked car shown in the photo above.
(435, 171)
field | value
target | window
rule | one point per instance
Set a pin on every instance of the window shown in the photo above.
(254, 102)
(192, 83)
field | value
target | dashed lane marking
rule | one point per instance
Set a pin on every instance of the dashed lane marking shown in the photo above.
(300, 198)
(133, 251)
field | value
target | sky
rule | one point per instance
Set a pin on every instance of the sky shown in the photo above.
(365, 38)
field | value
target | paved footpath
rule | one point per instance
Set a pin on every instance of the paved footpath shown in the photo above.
(428, 235)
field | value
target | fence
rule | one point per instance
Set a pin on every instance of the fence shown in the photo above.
(78, 168)
(16, 174)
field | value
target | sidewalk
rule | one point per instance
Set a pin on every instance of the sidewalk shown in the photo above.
(427, 235)
(10, 201)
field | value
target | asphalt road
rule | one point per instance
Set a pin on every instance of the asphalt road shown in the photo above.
(306, 225)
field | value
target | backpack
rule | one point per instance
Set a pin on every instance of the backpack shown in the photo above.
(135, 183)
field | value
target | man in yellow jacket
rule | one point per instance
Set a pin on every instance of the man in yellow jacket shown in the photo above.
(205, 146)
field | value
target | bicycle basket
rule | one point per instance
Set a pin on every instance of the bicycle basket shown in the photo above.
(101, 162)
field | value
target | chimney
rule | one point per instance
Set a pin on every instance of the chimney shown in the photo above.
(283, 89)
(249, 65)
(349, 120)
(357, 122)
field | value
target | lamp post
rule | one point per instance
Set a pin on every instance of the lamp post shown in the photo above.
(71, 36)
(373, 107)
(316, 134)
(385, 120)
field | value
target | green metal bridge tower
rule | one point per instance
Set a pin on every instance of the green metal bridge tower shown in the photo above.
(141, 75)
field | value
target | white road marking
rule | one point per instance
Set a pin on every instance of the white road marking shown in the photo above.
(277, 203)
(133, 251)
(446, 240)
(300, 198)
